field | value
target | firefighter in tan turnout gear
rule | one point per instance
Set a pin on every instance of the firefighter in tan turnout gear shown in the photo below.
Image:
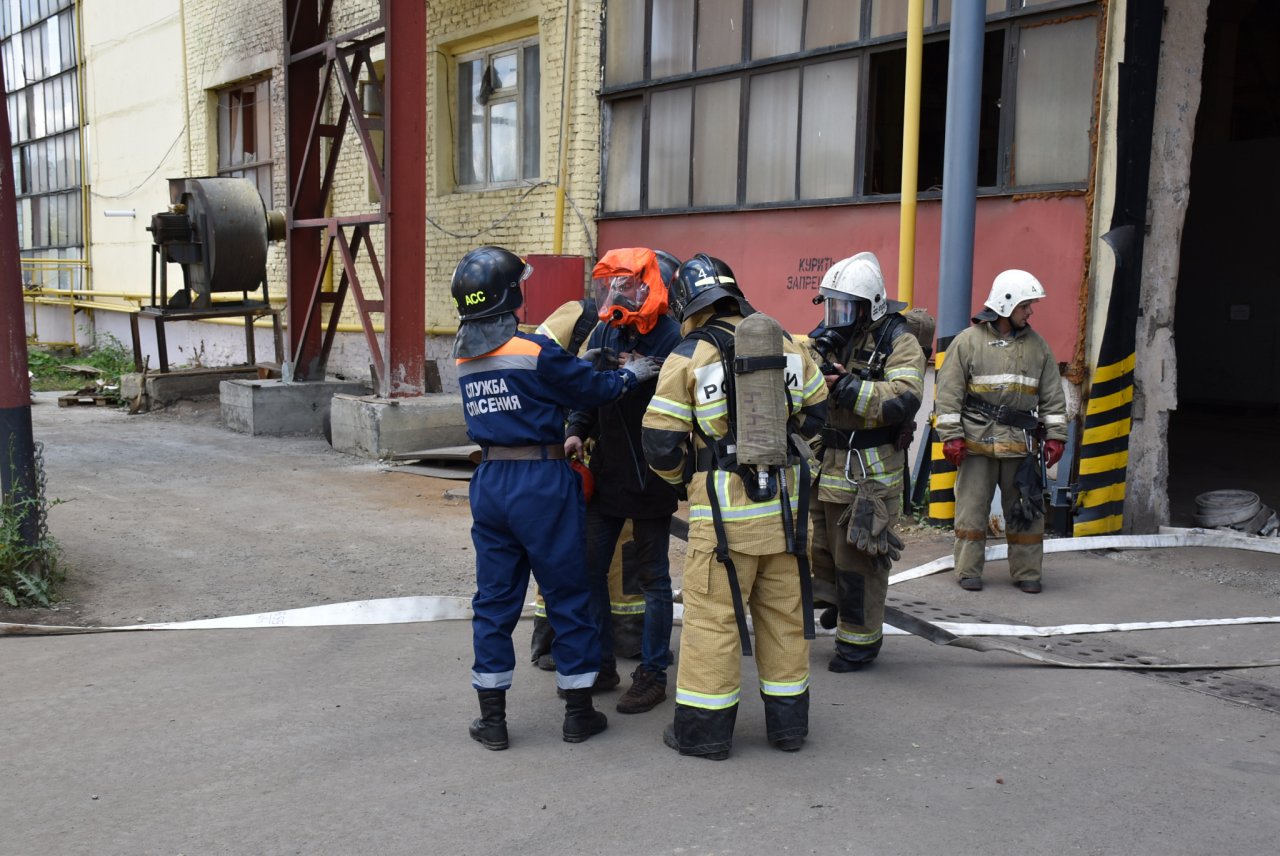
(748, 491)
(1001, 415)
(874, 368)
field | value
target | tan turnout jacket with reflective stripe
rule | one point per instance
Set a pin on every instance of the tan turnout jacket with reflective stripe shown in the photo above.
(1019, 372)
(691, 387)
(903, 374)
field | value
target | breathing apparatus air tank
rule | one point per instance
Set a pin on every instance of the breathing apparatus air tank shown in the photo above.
(760, 391)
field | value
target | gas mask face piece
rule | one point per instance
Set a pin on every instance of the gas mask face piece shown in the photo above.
(618, 296)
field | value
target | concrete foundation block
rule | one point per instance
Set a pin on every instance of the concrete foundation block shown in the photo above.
(372, 427)
(169, 387)
(275, 407)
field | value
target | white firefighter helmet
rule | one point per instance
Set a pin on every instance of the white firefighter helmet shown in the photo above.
(853, 279)
(1011, 288)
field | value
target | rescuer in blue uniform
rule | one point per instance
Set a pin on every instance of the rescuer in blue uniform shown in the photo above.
(526, 501)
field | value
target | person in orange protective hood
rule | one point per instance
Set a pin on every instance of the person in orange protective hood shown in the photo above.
(631, 299)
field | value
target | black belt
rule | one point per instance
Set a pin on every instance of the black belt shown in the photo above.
(862, 438)
(1003, 413)
(522, 453)
(705, 460)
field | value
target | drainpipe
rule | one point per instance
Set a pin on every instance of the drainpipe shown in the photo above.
(557, 246)
(910, 153)
(959, 207)
(960, 168)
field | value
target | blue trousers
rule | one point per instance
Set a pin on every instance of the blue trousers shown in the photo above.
(528, 516)
(652, 538)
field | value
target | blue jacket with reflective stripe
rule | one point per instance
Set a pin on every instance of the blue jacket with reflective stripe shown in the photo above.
(518, 393)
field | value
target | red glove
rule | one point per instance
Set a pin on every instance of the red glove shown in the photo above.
(1052, 452)
(955, 452)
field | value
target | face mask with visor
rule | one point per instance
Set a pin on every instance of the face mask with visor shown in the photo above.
(619, 296)
(839, 312)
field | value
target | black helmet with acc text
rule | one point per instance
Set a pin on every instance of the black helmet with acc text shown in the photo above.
(486, 283)
(700, 282)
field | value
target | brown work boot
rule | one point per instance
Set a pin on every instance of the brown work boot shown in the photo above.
(971, 583)
(646, 692)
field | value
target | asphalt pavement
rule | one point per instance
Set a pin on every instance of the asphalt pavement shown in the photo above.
(353, 740)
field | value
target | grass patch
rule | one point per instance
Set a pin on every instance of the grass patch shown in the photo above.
(30, 572)
(107, 354)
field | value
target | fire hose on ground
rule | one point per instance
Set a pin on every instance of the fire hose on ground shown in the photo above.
(978, 637)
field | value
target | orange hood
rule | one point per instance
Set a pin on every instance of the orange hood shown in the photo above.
(640, 305)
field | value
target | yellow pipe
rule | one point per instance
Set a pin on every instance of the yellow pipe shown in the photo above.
(79, 304)
(910, 152)
(565, 102)
(343, 326)
(88, 292)
(86, 233)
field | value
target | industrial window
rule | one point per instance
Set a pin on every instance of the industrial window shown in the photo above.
(244, 134)
(38, 60)
(725, 104)
(499, 141)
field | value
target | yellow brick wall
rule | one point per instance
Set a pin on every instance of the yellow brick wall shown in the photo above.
(229, 40)
(528, 226)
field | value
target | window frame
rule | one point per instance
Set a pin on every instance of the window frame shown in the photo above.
(527, 128)
(42, 91)
(228, 168)
(1011, 18)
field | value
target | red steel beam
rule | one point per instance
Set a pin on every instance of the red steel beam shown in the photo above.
(405, 199)
(304, 29)
(17, 442)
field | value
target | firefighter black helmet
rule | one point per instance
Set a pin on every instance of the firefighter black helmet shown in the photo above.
(700, 282)
(486, 283)
(668, 266)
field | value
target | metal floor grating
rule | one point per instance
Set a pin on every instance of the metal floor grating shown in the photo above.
(1223, 685)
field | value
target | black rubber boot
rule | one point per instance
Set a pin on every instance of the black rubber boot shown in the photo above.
(490, 730)
(786, 720)
(581, 719)
(540, 644)
(704, 733)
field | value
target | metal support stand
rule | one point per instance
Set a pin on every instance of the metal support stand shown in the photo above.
(161, 316)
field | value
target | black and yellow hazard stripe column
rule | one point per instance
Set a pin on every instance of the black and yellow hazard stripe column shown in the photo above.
(1104, 449)
(942, 473)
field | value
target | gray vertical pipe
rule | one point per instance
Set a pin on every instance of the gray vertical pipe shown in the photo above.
(960, 166)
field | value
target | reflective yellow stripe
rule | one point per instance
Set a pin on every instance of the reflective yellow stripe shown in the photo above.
(674, 408)
(943, 481)
(1101, 526)
(1102, 495)
(1104, 464)
(999, 381)
(793, 688)
(977, 388)
(942, 510)
(1105, 373)
(1103, 433)
(1110, 402)
(858, 638)
(627, 608)
(707, 701)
